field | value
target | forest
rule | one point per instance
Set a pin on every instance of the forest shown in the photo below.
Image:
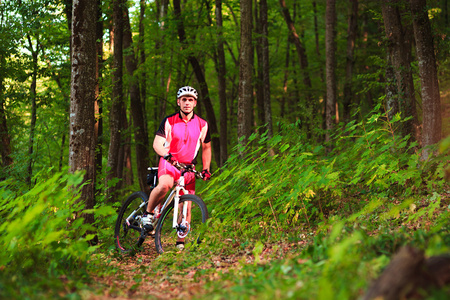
(330, 126)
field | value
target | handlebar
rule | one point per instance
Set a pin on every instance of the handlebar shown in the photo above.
(187, 168)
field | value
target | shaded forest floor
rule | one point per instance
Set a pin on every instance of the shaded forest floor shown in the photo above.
(144, 275)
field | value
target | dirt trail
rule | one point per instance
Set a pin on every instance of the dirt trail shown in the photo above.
(135, 279)
(137, 276)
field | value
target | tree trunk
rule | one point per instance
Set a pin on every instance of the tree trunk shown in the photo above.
(222, 85)
(4, 133)
(34, 53)
(301, 52)
(322, 108)
(98, 101)
(142, 59)
(285, 96)
(411, 275)
(117, 100)
(399, 53)
(161, 99)
(390, 89)
(204, 92)
(124, 165)
(330, 48)
(431, 100)
(245, 75)
(82, 97)
(137, 109)
(266, 69)
(259, 89)
(351, 39)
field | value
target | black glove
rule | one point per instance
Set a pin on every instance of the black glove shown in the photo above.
(206, 175)
(170, 158)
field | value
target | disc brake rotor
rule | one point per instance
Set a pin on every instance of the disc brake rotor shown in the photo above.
(183, 229)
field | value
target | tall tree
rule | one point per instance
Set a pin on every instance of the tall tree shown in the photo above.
(98, 101)
(301, 51)
(6, 48)
(141, 52)
(199, 74)
(330, 48)
(82, 97)
(245, 74)
(162, 8)
(258, 69)
(399, 53)
(115, 117)
(34, 50)
(5, 148)
(323, 108)
(431, 100)
(137, 108)
(266, 67)
(222, 85)
(350, 61)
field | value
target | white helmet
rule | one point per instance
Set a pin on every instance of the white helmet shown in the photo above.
(187, 91)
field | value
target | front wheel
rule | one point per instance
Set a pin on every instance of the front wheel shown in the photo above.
(127, 232)
(190, 231)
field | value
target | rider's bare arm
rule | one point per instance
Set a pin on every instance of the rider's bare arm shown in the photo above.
(206, 155)
(158, 145)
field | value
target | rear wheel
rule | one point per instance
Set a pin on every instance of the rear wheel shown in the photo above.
(190, 231)
(127, 233)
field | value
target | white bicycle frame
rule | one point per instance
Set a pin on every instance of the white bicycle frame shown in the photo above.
(175, 195)
(179, 187)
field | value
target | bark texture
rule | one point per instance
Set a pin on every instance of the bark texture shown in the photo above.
(245, 74)
(82, 97)
(330, 65)
(350, 61)
(115, 123)
(266, 67)
(301, 52)
(431, 99)
(400, 54)
(4, 133)
(410, 275)
(222, 85)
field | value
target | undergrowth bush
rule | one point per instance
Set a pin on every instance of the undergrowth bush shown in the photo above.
(304, 185)
(43, 236)
(355, 206)
(339, 263)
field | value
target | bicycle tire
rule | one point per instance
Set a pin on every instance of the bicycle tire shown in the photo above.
(166, 236)
(129, 237)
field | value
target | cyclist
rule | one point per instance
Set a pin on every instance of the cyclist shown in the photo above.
(179, 138)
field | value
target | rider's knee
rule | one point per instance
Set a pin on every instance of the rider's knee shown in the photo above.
(164, 188)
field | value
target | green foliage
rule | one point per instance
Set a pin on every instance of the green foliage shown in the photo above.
(303, 185)
(337, 265)
(43, 235)
(369, 196)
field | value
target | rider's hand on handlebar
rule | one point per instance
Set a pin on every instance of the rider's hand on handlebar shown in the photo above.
(206, 175)
(170, 159)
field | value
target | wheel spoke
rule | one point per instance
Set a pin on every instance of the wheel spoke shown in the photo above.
(127, 236)
(166, 236)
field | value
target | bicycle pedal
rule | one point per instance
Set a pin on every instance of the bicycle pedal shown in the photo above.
(148, 228)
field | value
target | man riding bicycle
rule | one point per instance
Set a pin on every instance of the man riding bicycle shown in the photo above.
(178, 139)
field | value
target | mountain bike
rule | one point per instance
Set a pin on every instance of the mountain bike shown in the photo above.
(188, 211)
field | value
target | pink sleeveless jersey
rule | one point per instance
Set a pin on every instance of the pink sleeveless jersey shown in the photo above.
(183, 139)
